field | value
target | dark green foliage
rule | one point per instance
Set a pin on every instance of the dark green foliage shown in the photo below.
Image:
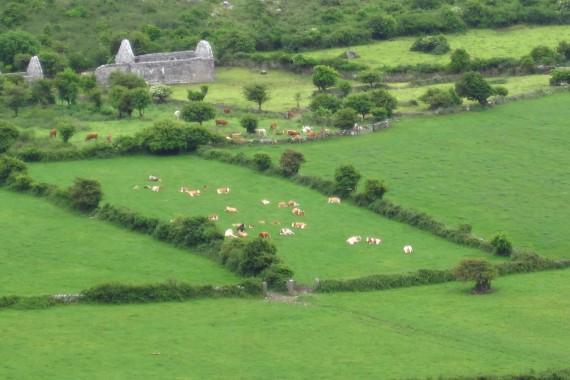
(344, 87)
(197, 96)
(52, 63)
(460, 61)
(277, 276)
(140, 99)
(325, 101)
(85, 194)
(262, 161)
(8, 136)
(346, 180)
(382, 98)
(10, 167)
(373, 190)
(291, 162)
(257, 256)
(257, 93)
(431, 44)
(164, 137)
(361, 103)
(543, 55)
(560, 77)
(17, 42)
(480, 271)
(16, 96)
(440, 98)
(379, 113)
(20, 182)
(249, 123)
(382, 26)
(501, 245)
(371, 78)
(473, 86)
(324, 77)
(198, 112)
(127, 80)
(42, 92)
(564, 50)
(67, 84)
(562, 374)
(345, 118)
(500, 91)
(66, 130)
(190, 232)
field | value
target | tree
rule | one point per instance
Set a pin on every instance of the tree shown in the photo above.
(431, 44)
(382, 26)
(361, 103)
(13, 42)
(500, 91)
(88, 82)
(258, 255)
(140, 99)
(85, 194)
(382, 98)
(160, 93)
(345, 88)
(291, 162)
(121, 99)
(249, 122)
(460, 61)
(262, 161)
(8, 136)
(501, 245)
(66, 131)
(197, 96)
(325, 101)
(67, 84)
(480, 271)
(473, 86)
(564, 49)
(371, 78)
(374, 190)
(52, 63)
(379, 113)
(165, 137)
(127, 80)
(257, 93)
(16, 96)
(346, 180)
(324, 77)
(198, 112)
(345, 118)
(440, 98)
(42, 92)
(95, 96)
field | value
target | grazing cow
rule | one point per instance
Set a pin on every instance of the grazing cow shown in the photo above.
(213, 218)
(193, 193)
(231, 210)
(273, 127)
(242, 234)
(312, 136)
(286, 232)
(177, 114)
(297, 211)
(307, 129)
(223, 190)
(154, 188)
(264, 235)
(373, 241)
(91, 136)
(408, 249)
(299, 225)
(53, 133)
(265, 202)
(297, 139)
(153, 178)
(293, 204)
(221, 122)
(227, 110)
(334, 200)
(230, 234)
(292, 133)
(110, 137)
(282, 204)
(261, 132)
(353, 240)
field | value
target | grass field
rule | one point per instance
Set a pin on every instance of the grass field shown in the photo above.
(318, 251)
(499, 169)
(406, 333)
(512, 42)
(47, 250)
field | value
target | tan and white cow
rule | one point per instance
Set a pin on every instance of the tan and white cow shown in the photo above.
(231, 210)
(286, 232)
(373, 240)
(223, 190)
(299, 225)
(334, 200)
(354, 240)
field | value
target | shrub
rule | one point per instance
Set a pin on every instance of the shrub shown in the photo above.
(382, 26)
(128, 144)
(160, 93)
(257, 93)
(197, 96)
(291, 162)
(198, 112)
(473, 86)
(164, 137)
(8, 136)
(324, 77)
(346, 180)
(190, 232)
(249, 122)
(440, 98)
(262, 161)
(460, 61)
(325, 101)
(197, 136)
(9, 167)
(277, 276)
(560, 77)
(501, 245)
(373, 190)
(480, 271)
(361, 103)
(382, 98)
(345, 118)
(431, 44)
(66, 131)
(20, 182)
(564, 49)
(126, 80)
(258, 255)
(543, 55)
(500, 91)
(379, 113)
(85, 194)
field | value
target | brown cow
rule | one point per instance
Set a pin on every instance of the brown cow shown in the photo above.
(110, 137)
(273, 127)
(227, 110)
(221, 122)
(53, 133)
(264, 235)
(292, 133)
(91, 136)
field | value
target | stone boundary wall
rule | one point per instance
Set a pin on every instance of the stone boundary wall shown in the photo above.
(154, 57)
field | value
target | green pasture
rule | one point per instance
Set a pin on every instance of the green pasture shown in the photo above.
(47, 250)
(398, 334)
(501, 169)
(512, 42)
(319, 251)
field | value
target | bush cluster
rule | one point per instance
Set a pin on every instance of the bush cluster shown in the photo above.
(560, 77)
(437, 45)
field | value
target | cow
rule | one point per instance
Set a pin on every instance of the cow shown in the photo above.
(177, 114)
(312, 136)
(91, 136)
(193, 193)
(298, 212)
(297, 139)
(264, 235)
(282, 204)
(334, 200)
(286, 232)
(221, 122)
(230, 234)
(299, 225)
(290, 115)
(293, 204)
(231, 210)
(223, 190)
(307, 129)
(183, 189)
(262, 132)
(265, 202)
(373, 241)
(292, 133)
(153, 178)
(408, 249)
(242, 234)
(53, 133)
(353, 240)
(213, 218)
(240, 227)
(227, 110)
(273, 127)
(109, 138)
(154, 188)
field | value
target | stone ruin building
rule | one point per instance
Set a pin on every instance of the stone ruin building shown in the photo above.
(33, 72)
(165, 68)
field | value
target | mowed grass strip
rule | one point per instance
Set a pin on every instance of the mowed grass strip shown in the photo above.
(404, 333)
(318, 251)
(47, 250)
(513, 42)
(502, 169)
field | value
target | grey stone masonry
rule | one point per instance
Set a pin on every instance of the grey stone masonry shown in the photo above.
(34, 70)
(165, 68)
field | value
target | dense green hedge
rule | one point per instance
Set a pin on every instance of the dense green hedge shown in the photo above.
(560, 374)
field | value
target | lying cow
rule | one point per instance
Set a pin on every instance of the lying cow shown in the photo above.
(262, 132)
(298, 212)
(282, 204)
(373, 241)
(265, 202)
(334, 200)
(153, 178)
(194, 193)
(154, 188)
(292, 133)
(91, 136)
(223, 190)
(286, 232)
(408, 249)
(353, 240)
(307, 129)
(230, 234)
(242, 234)
(231, 210)
(299, 225)
(221, 122)
(293, 204)
(213, 218)
(264, 235)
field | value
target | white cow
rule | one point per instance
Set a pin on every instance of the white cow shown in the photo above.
(177, 114)
(223, 190)
(230, 234)
(373, 241)
(408, 249)
(354, 240)
(261, 132)
(231, 210)
(334, 200)
(307, 129)
(156, 189)
(153, 178)
(286, 232)
(265, 202)
(299, 225)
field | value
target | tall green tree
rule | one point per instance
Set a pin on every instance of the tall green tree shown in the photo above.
(16, 96)
(141, 99)
(346, 180)
(67, 84)
(324, 77)
(473, 86)
(257, 93)
(198, 112)
(361, 103)
(480, 271)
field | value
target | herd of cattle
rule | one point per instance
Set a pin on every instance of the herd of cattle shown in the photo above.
(238, 230)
